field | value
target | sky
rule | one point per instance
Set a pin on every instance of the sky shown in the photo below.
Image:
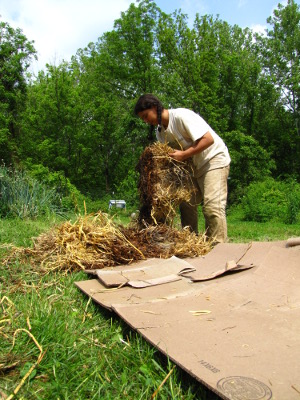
(60, 27)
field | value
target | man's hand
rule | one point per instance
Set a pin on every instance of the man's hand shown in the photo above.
(178, 155)
(200, 145)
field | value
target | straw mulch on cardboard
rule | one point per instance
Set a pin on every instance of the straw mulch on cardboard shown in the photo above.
(95, 242)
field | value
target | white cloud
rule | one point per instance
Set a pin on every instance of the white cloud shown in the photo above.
(242, 3)
(60, 27)
(261, 29)
(193, 7)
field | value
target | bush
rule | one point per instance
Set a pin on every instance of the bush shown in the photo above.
(249, 162)
(94, 206)
(293, 204)
(71, 198)
(128, 189)
(272, 200)
(22, 196)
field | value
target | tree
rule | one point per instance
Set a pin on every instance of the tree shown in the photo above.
(283, 68)
(249, 163)
(114, 72)
(51, 123)
(125, 58)
(187, 59)
(15, 56)
(283, 56)
(79, 116)
(212, 68)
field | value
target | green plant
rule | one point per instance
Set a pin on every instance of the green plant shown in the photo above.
(128, 189)
(271, 200)
(70, 196)
(293, 203)
(25, 197)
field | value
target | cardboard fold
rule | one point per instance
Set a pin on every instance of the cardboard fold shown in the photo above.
(153, 270)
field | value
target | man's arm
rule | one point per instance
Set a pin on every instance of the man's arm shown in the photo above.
(200, 145)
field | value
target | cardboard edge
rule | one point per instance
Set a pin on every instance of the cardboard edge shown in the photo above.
(140, 284)
(220, 273)
(90, 295)
(164, 352)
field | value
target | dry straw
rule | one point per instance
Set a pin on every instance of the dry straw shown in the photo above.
(94, 241)
(164, 184)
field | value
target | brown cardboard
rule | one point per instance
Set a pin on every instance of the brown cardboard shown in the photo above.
(145, 271)
(238, 334)
(229, 257)
(106, 297)
(293, 242)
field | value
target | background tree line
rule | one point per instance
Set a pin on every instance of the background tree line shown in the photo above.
(74, 122)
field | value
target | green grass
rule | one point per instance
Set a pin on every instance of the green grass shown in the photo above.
(89, 355)
(240, 231)
(245, 231)
(89, 352)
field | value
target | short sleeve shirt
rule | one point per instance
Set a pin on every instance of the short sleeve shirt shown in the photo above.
(184, 129)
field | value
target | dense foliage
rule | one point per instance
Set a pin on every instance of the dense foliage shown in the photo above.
(76, 119)
(23, 196)
(272, 200)
(15, 55)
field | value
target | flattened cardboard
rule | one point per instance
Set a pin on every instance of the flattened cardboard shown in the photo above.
(153, 281)
(238, 334)
(106, 297)
(234, 340)
(223, 259)
(145, 271)
(229, 257)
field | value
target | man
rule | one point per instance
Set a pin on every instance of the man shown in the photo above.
(191, 137)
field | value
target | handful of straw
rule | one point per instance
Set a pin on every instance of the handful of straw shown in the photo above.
(164, 184)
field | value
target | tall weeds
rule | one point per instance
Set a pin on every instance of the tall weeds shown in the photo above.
(25, 197)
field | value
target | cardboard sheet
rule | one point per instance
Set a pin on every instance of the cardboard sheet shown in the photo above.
(238, 334)
(145, 273)
(229, 257)
(107, 297)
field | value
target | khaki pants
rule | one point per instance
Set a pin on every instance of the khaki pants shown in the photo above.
(211, 192)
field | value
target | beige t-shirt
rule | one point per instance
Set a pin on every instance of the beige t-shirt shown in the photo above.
(185, 128)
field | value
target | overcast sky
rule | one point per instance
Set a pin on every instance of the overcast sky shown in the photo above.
(60, 27)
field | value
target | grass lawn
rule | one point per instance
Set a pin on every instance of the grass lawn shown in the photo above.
(244, 231)
(75, 349)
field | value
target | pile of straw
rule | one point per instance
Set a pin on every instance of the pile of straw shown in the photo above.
(94, 242)
(164, 183)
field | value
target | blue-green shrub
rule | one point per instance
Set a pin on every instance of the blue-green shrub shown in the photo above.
(24, 197)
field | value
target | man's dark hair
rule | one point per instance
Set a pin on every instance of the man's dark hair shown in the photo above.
(147, 101)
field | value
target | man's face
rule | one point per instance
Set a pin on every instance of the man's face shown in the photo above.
(149, 116)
